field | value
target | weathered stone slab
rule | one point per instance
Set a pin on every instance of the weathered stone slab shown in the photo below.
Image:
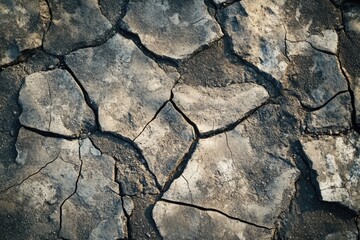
(47, 169)
(33, 153)
(316, 76)
(337, 165)
(243, 172)
(74, 24)
(95, 210)
(257, 34)
(22, 26)
(215, 108)
(165, 141)
(52, 101)
(126, 86)
(174, 29)
(334, 117)
(182, 222)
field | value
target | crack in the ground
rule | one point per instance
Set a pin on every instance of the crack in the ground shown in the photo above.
(152, 119)
(92, 105)
(312, 46)
(128, 223)
(50, 22)
(215, 210)
(313, 109)
(72, 194)
(31, 175)
(352, 96)
(48, 133)
(178, 171)
(22, 58)
(234, 124)
(138, 151)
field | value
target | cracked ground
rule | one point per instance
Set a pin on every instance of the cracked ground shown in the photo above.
(193, 119)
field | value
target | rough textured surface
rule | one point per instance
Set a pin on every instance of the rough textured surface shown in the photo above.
(228, 169)
(215, 108)
(73, 25)
(171, 28)
(165, 141)
(334, 117)
(131, 172)
(245, 114)
(316, 76)
(96, 200)
(45, 108)
(266, 34)
(22, 26)
(133, 88)
(257, 34)
(350, 51)
(337, 165)
(192, 223)
(31, 209)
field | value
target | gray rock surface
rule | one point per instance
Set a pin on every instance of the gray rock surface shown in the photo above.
(334, 117)
(113, 10)
(350, 51)
(165, 141)
(215, 108)
(337, 165)
(266, 33)
(228, 172)
(95, 210)
(74, 24)
(182, 222)
(174, 29)
(316, 76)
(45, 108)
(22, 26)
(33, 153)
(47, 169)
(257, 34)
(133, 87)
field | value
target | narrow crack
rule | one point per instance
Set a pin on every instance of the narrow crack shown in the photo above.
(51, 103)
(352, 96)
(49, 134)
(215, 210)
(233, 125)
(86, 95)
(22, 58)
(152, 119)
(31, 175)
(196, 129)
(138, 151)
(312, 46)
(50, 22)
(72, 194)
(128, 224)
(357, 224)
(136, 39)
(313, 109)
(178, 171)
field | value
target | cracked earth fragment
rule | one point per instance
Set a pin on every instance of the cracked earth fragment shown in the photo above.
(182, 222)
(133, 86)
(52, 102)
(334, 117)
(251, 184)
(170, 28)
(316, 76)
(262, 32)
(95, 210)
(74, 24)
(212, 109)
(49, 169)
(131, 173)
(337, 165)
(165, 141)
(22, 26)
